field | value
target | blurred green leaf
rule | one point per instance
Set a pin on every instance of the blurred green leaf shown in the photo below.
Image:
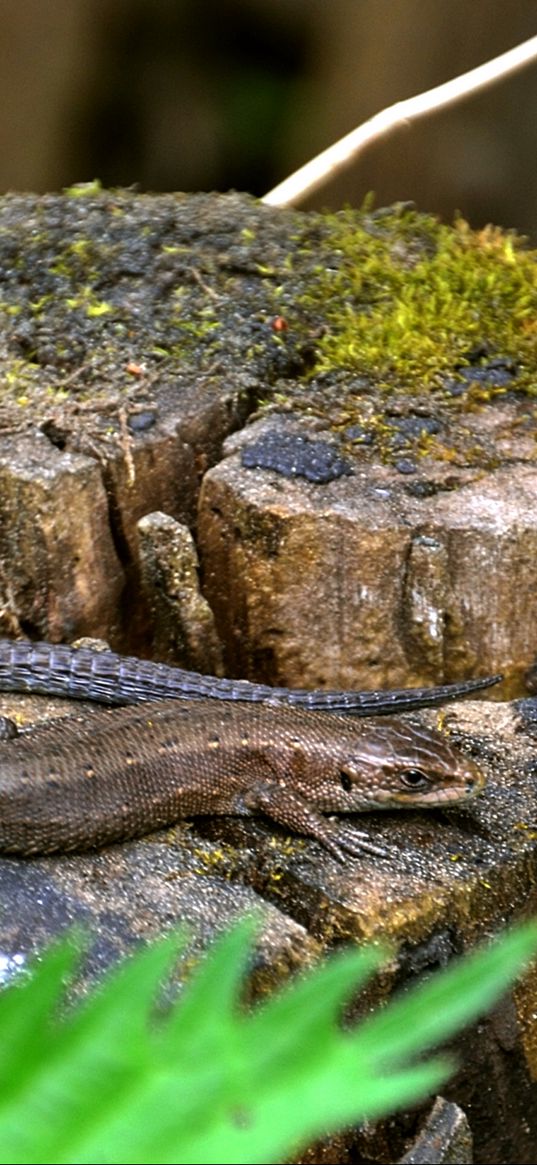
(118, 1080)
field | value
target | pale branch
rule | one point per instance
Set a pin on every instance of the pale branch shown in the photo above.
(343, 153)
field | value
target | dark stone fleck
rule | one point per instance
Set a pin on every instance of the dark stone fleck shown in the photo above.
(493, 375)
(57, 434)
(139, 422)
(398, 441)
(455, 387)
(414, 426)
(422, 488)
(359, 385)
(406, 465)
(359, 435)
(293, 455)
(24, 338)
(527, 710)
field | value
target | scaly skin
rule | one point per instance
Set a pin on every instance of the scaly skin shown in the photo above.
(54, 669)
(109, 775)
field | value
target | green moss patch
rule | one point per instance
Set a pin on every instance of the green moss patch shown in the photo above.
(408, 300)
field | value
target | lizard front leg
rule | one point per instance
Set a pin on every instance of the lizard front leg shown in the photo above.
(289, 808)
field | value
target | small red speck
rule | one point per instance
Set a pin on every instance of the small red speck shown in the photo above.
(134, 369)
(279, 324)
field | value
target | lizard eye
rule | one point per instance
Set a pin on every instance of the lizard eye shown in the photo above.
(346, 781)
(414, 779)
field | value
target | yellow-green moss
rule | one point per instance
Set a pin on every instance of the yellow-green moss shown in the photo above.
(408, 298)
(84, 189)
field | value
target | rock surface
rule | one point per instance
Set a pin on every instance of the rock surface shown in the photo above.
(405, 588)
(364, 530)
(451, 878)
(138, 332)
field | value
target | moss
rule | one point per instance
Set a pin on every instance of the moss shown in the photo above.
(336, 316)
(84, 189)
(408, 300)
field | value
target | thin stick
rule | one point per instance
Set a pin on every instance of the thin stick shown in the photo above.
(322, 168)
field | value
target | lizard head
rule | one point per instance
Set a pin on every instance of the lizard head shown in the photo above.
(390, 764)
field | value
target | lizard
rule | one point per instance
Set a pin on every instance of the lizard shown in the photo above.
(110, 774)
(104, 676)
(124, 772)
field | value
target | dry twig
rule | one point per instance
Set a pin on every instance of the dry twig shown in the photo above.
(342, 153)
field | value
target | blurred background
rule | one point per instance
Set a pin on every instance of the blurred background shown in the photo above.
(220, 94)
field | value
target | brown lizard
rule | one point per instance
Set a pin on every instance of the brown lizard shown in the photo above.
(108, 775)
